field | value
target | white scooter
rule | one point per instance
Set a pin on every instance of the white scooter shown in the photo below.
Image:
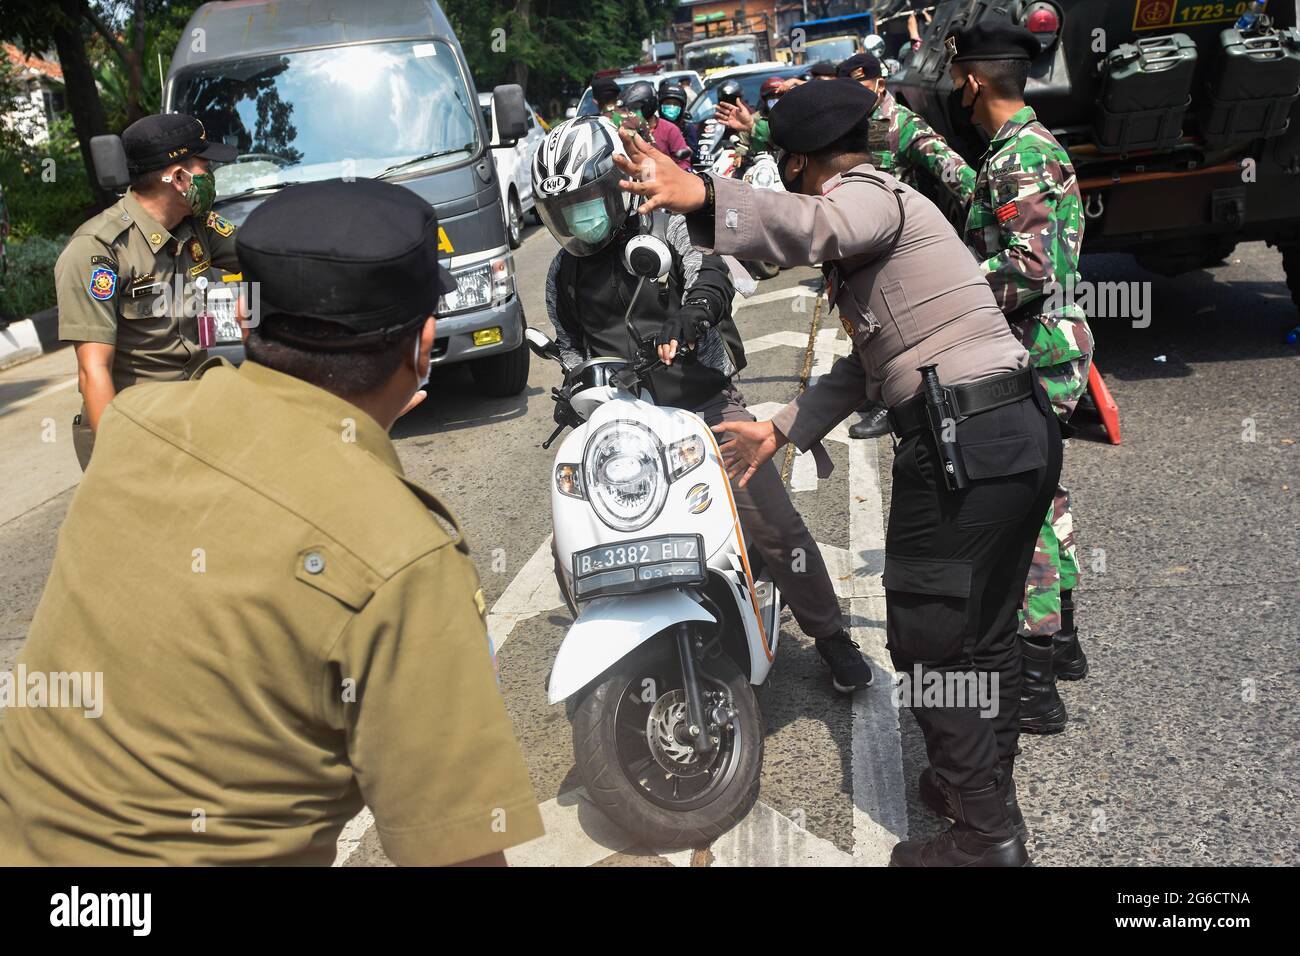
(675, 619)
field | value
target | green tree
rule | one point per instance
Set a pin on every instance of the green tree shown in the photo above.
(551, 47)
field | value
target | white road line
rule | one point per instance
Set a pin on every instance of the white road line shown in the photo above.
(351, 836)
(772, 340)
(794, 292)
(767, 837)
(37, 396)
(533, 591)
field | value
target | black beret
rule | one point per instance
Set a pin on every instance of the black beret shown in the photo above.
(866, 62)
(992, 41)
(604, 89)
(361, 254)
(822, 68)
(153, 142)
(813, 115)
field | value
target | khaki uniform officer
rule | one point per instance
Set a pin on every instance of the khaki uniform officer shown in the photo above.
(302, 633)
(117, 279)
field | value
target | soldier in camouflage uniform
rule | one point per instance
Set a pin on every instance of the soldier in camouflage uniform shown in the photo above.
(1024, 222)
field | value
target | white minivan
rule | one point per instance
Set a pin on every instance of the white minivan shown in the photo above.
(514, 167)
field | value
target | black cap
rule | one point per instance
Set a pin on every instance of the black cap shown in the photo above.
(866, 62)
(812, 116)
(153, 142)
(360, 254)
(822, 68)
(604, 89)
(992, 41)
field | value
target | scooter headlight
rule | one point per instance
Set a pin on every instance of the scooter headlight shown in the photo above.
(625, 475)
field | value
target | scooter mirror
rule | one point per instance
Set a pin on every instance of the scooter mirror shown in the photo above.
(541, 344)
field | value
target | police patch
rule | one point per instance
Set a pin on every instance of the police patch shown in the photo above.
(222, 227)
(103, 283)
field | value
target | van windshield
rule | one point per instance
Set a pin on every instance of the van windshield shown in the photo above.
(340, 111)
(737, 53)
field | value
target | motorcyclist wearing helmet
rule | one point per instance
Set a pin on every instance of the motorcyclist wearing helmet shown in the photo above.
(588, 292)
(641, 98)
(608, 96)
(673, 100)
(753, 129)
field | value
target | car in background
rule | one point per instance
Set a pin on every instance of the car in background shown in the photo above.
(587, 105)
(514, 165)
(700, 111)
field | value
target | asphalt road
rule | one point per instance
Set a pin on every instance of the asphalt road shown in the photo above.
(1183, 743)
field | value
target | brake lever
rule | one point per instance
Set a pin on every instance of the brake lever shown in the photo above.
(554, 435)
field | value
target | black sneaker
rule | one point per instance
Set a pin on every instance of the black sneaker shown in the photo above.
(849, 669)
(874, 423)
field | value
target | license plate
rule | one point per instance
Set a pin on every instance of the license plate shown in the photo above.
(639, 565)
(671, 548)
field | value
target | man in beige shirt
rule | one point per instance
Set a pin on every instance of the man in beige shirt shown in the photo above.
(127, 282)
(285, 627)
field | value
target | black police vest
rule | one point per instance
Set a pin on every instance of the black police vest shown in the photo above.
(597, 290)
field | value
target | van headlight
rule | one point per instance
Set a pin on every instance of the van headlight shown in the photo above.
(480, 285)
(624, 475)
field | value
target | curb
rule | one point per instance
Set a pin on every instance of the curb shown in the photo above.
(30, 338)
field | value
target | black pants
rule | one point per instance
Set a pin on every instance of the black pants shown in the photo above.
(774, 526)
(955, 566)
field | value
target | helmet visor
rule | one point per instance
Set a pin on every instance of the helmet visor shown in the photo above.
(584, 219)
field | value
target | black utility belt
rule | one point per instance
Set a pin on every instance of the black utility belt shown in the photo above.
(912, 416)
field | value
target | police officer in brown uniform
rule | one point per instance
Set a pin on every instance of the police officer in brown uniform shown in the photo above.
(976, 461)
(116, 281)
(302, 633)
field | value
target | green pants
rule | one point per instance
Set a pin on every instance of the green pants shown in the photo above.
(1054, 569)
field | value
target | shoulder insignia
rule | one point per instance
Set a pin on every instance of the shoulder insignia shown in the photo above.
(1007, 212)
(222, 227)
(103, 283)
(103, 261)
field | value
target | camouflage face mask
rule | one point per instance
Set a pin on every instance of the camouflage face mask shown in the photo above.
(201, 193)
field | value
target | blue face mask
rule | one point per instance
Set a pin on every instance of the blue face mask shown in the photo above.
(670, 112)
(588, 221)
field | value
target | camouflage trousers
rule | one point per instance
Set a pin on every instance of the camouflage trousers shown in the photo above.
(1054, 569)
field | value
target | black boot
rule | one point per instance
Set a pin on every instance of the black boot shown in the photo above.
(874, 422)
(1068, 660)
(936, 794)
(1041, 709)
(981, 835)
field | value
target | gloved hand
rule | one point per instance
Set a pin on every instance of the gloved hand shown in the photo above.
(682, 330)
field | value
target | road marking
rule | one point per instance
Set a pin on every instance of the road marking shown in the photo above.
(533, 591)
(351, 836)
(763, 298)
(37, 396)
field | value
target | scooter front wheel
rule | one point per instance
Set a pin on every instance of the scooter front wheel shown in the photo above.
(636, 757)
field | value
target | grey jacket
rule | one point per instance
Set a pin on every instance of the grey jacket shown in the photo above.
(925, 303)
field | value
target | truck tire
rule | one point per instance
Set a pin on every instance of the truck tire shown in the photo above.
(503, 374)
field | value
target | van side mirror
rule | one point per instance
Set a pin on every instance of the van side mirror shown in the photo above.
(512, 114)
(541, 344)
(109, 158)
